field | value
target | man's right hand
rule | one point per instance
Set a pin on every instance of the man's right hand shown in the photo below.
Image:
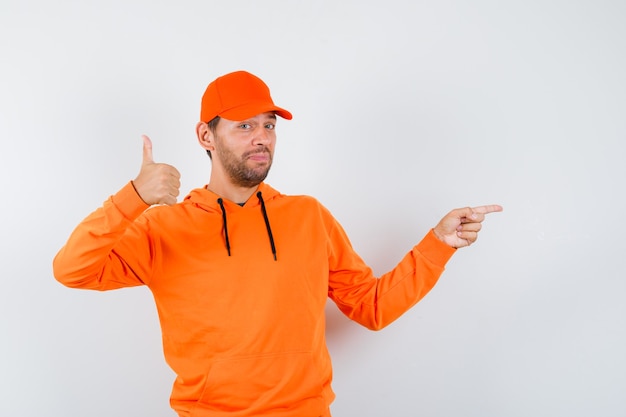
(156, 183)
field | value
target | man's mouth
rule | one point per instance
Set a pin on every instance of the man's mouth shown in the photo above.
(261, 156)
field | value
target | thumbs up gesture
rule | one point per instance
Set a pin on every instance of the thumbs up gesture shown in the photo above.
(156, 183)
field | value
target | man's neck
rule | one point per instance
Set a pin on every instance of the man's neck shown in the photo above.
(236, 194)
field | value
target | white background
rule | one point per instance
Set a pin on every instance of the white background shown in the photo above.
(402, 110)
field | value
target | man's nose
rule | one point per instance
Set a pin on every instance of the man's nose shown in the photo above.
(261, 135)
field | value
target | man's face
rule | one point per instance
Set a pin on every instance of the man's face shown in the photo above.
(245, 149)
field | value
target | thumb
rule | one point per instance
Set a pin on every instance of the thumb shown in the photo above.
(147, 150)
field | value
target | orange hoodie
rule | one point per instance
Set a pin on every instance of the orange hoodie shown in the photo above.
(241, 292)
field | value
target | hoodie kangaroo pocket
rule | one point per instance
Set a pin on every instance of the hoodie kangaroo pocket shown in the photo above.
(287, 381)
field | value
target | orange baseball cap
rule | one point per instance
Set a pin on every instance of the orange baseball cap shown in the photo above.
(238, 96)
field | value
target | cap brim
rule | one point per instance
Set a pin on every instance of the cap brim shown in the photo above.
(252, 109)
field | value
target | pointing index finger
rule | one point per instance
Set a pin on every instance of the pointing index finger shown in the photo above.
(491, 208)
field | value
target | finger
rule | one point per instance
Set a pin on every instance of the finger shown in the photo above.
(469, 237)
(491, 208)
(174, 190)
(169, 200)
(469, 227)
(175, 173)
(147, 150)
(462, 213)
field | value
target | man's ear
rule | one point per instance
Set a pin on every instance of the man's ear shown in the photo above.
(205, 136)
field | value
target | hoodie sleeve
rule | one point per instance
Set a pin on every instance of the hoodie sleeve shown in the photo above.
(94, 256)
(376, 302)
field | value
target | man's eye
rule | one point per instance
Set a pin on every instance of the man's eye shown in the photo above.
(245, 125)
(270, 126)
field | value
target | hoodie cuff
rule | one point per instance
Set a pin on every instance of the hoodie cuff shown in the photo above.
(128, 202)
(435, 250)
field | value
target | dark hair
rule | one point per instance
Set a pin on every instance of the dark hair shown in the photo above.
(212, 125)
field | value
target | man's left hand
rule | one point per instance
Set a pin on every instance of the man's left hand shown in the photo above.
(460, 227)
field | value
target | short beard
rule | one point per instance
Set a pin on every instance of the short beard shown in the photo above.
(239, 173)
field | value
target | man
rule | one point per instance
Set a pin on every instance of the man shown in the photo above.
(239, 272)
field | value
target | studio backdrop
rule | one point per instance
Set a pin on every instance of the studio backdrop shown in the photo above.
(403, 110)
